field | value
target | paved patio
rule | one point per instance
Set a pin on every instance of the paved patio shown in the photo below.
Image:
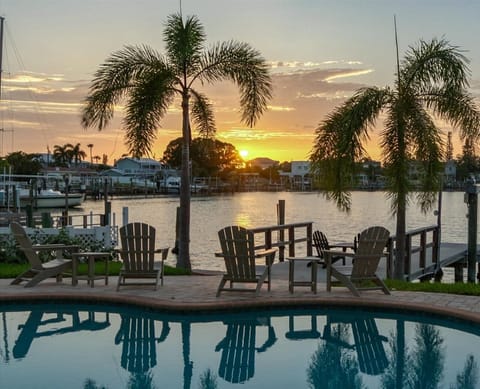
(197, 292)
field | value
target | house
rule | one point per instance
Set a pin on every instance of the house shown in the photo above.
(262, 162)
(139, 167)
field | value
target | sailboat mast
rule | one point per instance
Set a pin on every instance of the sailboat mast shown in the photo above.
(1, 53)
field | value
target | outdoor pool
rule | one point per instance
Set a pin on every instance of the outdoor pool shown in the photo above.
(101, 346)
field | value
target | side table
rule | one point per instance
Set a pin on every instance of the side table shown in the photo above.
(313, 275)
(90, 257)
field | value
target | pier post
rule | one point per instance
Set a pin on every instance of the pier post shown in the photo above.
(471, 197)
(281, 233)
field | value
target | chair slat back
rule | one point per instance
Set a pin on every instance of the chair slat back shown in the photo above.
(138, 246)
(238, 250)
(320, 242)
(26, 245)
(371, 243)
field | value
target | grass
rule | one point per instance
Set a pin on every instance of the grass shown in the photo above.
(435, 287)
(11, 270)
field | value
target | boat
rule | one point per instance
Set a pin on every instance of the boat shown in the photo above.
(49, 198)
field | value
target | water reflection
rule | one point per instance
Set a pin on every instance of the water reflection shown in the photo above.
(55, 323)
(321, 348)
(237, 363)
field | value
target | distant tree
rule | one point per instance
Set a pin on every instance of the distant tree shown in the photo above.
(90, 146)
(172, 156)
(285, 166)
(77, 153)
(62, 155)
(209, 157)
(23, 163)
(468, 163)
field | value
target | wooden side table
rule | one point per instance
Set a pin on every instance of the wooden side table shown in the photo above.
(313, 275)
(90, 257)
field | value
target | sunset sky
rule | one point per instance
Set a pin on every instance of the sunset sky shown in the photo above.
(320, 52)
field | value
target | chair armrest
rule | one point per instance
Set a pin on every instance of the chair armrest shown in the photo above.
(268, 254)
(335, 252)
(163, 251)
(54, 246)
(264, 253)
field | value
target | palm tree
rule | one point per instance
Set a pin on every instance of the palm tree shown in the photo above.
(90, 146)
(151, 82)
(62, 154)
(77, 153)
(431, 83)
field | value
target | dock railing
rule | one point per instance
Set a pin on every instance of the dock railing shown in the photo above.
(422, 253)
(287, 237)
(421, 249)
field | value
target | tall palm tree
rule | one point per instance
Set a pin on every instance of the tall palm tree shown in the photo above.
(150, 82)
(90, 146)
(431, 83)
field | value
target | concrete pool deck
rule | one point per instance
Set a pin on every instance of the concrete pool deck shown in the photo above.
(197, 293)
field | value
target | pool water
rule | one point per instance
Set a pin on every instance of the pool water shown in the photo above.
(96, 346)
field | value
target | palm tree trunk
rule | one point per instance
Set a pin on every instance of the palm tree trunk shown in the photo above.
(399, 272)
(183, 259)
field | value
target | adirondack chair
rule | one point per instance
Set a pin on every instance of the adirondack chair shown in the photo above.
(238, 252)
(138, 255)
(371, 246)
(39, 270)
(321, 244)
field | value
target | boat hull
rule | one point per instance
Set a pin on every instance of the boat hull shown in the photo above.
(49, 201)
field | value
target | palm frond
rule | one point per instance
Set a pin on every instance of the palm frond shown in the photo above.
(435, 62)
(202, 115)
(240, 63)
(456, 107)
(184, 42)
(148, 102)
(340, 140)
(114, 79)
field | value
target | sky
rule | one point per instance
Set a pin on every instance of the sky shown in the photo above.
(319, 51)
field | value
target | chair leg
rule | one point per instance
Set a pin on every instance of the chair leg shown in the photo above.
(119, 282)
(381, 284)
(220, 287)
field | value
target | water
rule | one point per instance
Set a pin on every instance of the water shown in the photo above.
(64, 346)
(254, 209)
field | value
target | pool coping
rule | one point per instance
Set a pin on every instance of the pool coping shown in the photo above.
(450, 306)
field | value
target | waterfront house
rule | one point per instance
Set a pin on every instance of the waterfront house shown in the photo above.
(145, 168)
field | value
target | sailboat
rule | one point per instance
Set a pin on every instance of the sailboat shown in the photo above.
(42, 197)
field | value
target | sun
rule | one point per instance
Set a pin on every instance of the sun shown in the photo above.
(243, 153)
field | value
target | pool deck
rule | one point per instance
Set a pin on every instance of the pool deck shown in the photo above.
(197, 293)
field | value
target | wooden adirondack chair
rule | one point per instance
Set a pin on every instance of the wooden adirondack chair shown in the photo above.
(321, 244)
(371, 246)
(138, 255)
(238, 251)
(39, 270)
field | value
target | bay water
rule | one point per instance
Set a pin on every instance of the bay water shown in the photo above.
(256, 209)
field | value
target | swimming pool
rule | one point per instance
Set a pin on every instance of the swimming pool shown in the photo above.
(100, 346)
